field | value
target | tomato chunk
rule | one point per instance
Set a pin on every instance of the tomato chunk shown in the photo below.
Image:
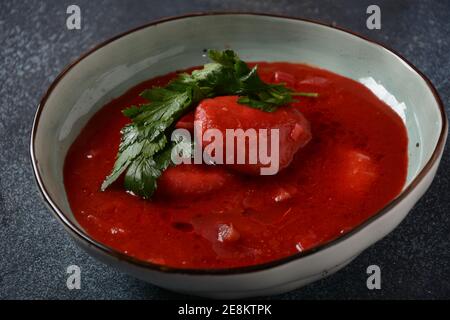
(358, 172)
(224, 113)
(227, 233)
(186, 122)
(192, 180)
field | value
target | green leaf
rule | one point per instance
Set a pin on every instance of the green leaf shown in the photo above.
(226, 58)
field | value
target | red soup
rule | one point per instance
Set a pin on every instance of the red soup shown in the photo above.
(208, 217)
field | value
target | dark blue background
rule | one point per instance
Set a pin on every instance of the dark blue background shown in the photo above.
(35, 45)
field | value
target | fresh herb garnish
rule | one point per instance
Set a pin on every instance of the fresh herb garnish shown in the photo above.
(145, 149)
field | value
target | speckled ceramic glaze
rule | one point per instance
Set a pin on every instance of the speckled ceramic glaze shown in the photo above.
(156, 49)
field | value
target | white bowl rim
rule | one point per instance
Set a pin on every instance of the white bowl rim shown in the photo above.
(87, 239)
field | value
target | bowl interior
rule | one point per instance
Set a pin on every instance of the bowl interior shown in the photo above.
(176, 44)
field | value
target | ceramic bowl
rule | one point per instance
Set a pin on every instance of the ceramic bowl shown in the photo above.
(158, 48)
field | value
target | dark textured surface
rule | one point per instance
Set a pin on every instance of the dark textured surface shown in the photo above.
(35, 45)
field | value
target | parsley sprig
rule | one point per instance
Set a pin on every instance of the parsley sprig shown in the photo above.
(145, 150)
